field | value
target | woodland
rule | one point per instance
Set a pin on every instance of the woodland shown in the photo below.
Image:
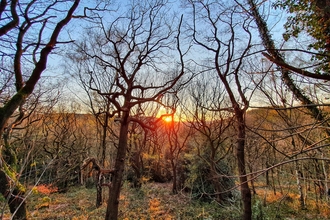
(158, 109)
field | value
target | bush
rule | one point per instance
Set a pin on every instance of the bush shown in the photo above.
(201, 183)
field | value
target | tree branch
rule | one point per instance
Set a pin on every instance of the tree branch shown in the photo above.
(300, 71)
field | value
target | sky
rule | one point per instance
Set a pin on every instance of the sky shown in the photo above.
(76, 29)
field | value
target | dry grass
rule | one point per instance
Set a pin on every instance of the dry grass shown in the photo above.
(288, 204)
(154, 201)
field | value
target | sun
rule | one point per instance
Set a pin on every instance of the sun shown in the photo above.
(167, 119)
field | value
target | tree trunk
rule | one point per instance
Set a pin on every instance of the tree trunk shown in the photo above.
(15, 197)
(99, 189)
(299, 185)
(216, 182)
(252, 180)
(104, 136)
(267, 174)
(240, 155)
(114, 192)
(10, 188)
(325, 173)
(174, 186)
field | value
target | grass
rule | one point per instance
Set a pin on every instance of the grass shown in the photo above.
(286, 205)
(155, 201)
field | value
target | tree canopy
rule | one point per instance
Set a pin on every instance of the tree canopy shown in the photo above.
(311, 17)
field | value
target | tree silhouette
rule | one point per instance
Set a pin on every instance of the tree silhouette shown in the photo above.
(130, 54)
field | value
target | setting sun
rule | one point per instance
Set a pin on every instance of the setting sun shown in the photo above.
(167, 119)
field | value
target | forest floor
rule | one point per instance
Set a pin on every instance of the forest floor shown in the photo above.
(155, 201)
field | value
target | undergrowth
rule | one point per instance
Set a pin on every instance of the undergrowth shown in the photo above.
(155, 201)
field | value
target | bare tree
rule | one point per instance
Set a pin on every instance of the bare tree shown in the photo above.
(135, 51)
(290, 132)
(213, 133)
(223, 29)
(178, 134)
(304, 73)
(24, 37)
(101, 173)
(98, 105)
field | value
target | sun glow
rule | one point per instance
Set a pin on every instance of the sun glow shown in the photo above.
(168, 116)
(167, 119)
